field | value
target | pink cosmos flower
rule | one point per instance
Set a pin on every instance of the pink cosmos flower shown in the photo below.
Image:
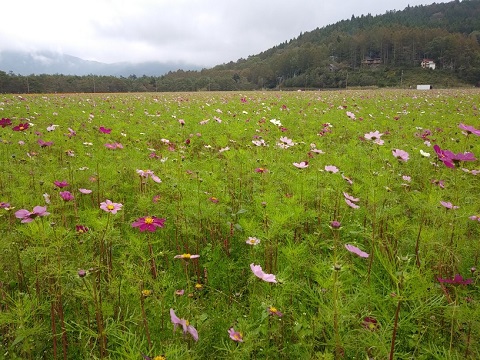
(252, 241)
(474, 217)
(301, 165)
(351, 115)
(406, 178)
(104, 130)
(285, 142)
(351, 204)
(449, 205)
(85, 191)
(149, 174)
(213, 199)
(235, 335)
(186, 256)
(44, 143)
(114, 146)
(347, 179)
(375, 136)
(469, 129)
(60, 184)
(257, 270)
(439, 183)
(110, 206)
(261, 170)
(29, 216)
(350, 197)
(356, 251)
(4, 205)
(149, 223)
(66, 195)
(71, 132)
(400, 155)
(331, 169)
(184, 324)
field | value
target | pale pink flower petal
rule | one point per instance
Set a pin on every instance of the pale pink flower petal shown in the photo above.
(356, 251)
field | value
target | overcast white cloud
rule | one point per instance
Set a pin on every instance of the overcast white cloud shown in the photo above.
(200, 32)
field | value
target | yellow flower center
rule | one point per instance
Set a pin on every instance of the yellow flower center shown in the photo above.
(110, 207)
(148, 220)
(160, 357)
(21, 128)
(198, 286)
(238, 336)
(146, 293)
(252, 241)
(273, 309)
(186, 256)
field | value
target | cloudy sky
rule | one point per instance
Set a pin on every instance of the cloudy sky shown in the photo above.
(199, 32)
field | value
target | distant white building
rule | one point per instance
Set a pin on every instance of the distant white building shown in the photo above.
(428, 64)
(424, 87)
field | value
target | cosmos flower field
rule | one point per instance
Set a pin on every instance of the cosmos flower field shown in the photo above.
(259, 225)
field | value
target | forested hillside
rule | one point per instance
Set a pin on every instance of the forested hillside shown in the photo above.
(383, 50)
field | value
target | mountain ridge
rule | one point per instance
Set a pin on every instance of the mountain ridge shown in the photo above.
(51, 63)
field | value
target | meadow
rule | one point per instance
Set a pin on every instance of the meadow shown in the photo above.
(258, 225)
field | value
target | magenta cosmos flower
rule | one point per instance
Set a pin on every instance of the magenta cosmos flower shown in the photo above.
(457, 280)
(66, 195)
(356, 251)
(235, 335)
(104, 130)
(29, 216)
(5, 122)
(257, 270)
(469, 129)
(184, 324)
(149, 223)
(110, 206)
(60, 184)
(400, 155)
(21, 127)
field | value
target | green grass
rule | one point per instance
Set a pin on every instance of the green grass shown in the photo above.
(328, 296)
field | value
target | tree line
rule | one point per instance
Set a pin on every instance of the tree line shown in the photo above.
(383, 50)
